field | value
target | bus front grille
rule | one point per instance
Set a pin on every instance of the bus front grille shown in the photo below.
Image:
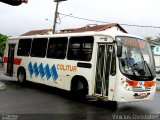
(141, 89)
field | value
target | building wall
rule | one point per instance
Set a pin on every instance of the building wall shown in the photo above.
(114, 29)
(156, 52)
(157, 60)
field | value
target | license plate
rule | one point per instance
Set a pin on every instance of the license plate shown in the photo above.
(140, 95)
(143, 95)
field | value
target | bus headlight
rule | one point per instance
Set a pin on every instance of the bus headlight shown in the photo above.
(126, 85)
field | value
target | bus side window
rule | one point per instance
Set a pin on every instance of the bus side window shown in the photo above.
(39, 46)
(24, 47)
(57, 48)
(80, 48)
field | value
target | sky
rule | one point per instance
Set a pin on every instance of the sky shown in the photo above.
(39, 14)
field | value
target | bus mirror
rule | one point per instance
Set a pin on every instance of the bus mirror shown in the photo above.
(119, 50)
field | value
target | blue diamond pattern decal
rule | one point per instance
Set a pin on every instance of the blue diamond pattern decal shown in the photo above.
(30, 68)
(42, 70)
(35, 69)
(54, 72)
(48, 74)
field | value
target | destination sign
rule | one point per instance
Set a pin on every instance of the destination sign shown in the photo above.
(134, 43)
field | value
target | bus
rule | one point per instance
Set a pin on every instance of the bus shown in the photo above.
(87, 64)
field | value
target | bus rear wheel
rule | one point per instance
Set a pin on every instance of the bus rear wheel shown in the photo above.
(21, 75)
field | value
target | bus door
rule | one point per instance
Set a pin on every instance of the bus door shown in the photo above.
(10, 61)
(104, 58)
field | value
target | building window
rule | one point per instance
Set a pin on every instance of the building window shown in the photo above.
(80, 48)
(57, 48)
(24, 47)
(39, 46)
(157, 49)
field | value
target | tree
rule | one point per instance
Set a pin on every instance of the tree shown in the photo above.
(3, 40)
(158, 37)
(148, 38)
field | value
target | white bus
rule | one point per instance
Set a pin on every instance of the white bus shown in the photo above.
(91, 63)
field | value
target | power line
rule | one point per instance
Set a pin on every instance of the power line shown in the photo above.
(144, 26)
(82, 18)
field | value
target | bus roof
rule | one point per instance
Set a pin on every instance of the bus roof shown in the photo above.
(102, 33)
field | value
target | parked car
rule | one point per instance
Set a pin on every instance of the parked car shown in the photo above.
(158, 69)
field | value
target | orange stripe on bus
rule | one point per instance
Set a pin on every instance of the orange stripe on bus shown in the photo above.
(149, 83)
(135, 83)
(5, 59)
(132, 83)
(16, 61)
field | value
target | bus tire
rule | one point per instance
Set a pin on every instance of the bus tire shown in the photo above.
(79, 90)
(21, 75)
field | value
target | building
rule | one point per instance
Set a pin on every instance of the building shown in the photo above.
(95, 27)
(38, 32)
(87, 28)
(155, 45)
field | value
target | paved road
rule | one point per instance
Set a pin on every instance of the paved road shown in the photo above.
(40, 101)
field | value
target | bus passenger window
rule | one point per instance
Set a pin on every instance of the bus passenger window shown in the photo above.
(80, 48)
(39, 46)
(57, 48)
(24, 47)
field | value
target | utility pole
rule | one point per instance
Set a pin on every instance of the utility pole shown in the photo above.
(55, 15)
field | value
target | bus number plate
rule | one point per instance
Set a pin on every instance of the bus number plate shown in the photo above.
(140, 95)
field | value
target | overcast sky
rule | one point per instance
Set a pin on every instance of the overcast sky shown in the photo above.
(17, 20)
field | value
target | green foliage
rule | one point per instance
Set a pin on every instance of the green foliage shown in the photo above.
(148, 38)
(158, 37)
(3, 40)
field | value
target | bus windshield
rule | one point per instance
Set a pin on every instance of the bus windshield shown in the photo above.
(137, 60)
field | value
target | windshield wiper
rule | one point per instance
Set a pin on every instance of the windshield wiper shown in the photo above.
(132, 68)
(143, 61)
(148, 68)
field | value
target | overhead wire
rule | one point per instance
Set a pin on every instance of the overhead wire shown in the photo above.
(144, 26)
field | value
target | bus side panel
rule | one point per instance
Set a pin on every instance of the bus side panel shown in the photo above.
(55, 73)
